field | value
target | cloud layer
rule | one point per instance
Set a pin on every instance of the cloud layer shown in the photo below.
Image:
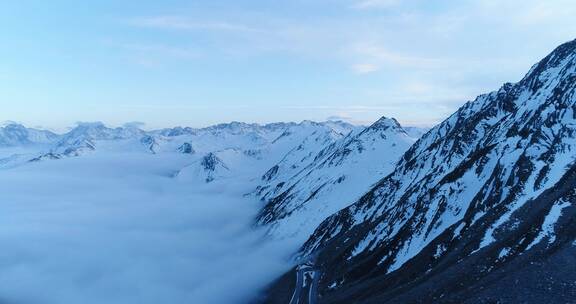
(117, 228)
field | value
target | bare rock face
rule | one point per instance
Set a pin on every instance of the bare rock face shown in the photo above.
(212, 165)
(186, 148)
(150, 143)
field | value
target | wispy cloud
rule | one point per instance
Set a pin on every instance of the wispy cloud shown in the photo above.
(157, 55)
(172, 51)
(383, 56)
(347, 42)
(376, 57)
(432, 55)
(184, 23)
(365, 68)
(528, 12)
(367, 4)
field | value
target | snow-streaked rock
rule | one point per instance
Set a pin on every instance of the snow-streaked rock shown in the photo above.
(312, 182)
(479, 210)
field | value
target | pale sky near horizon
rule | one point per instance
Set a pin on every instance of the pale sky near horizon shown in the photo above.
(195, 63)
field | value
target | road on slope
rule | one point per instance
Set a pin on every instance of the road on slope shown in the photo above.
(306, 287)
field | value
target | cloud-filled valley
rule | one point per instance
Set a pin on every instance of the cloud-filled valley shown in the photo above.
(119, 228)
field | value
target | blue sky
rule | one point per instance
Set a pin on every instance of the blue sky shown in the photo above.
(177, 62)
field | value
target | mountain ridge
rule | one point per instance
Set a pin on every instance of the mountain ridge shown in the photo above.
(470, 202)
(297, 197)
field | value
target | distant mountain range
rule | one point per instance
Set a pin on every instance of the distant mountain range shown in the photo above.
(232, 150)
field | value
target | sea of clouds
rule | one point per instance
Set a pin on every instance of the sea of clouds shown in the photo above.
(121, 228)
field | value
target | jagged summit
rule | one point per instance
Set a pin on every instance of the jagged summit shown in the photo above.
(556, 64)
(177, 131)
(150, 143)
(186, 148)
(207, 169)
(385, 123)
(210, 162)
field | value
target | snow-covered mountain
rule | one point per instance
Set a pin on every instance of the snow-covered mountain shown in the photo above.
(481, 209)
(208, 168)
(322, 176)
(247, 150)
(13, 134)
(85, 137)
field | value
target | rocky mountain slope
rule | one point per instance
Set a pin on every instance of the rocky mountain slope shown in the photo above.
(302, 190)
(480, 210)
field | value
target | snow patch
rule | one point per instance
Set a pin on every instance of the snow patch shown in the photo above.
(547, 229)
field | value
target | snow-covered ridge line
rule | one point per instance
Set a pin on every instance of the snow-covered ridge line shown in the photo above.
(310, 183)
(233, 142)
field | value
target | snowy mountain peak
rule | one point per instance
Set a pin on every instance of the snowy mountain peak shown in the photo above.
(210, 162)
(14, 134)
(177, 131)
(385, 123)
(300, 194)
(556, 64)
(309, 123)
(150, 143)
(207, 169)
(13, 126)
(235, 126)
(186, 148)
(92, 130)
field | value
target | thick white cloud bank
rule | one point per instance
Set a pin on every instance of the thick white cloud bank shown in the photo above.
(120, 228)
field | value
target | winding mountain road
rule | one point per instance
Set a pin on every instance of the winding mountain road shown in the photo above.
(306, 288)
